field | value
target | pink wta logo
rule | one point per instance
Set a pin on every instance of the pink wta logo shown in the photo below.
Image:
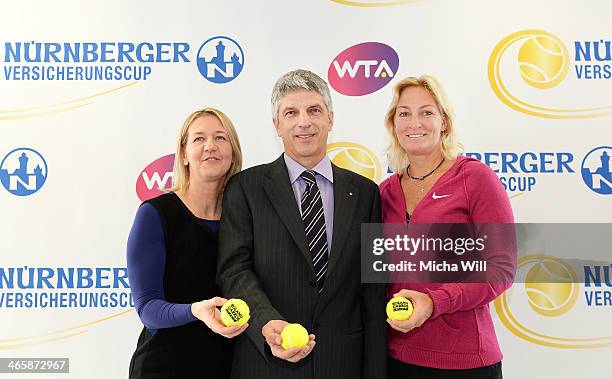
(158, 174)
(363, 68)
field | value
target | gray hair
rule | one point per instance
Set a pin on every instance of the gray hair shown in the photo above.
(296, 80)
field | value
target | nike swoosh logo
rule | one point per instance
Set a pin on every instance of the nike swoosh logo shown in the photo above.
(434, 196)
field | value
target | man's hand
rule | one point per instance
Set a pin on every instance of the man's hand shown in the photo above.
(207, 312)
(271, 332)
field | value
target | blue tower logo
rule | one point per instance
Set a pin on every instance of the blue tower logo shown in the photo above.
(596, 170)
(220, 59)
(23, 171)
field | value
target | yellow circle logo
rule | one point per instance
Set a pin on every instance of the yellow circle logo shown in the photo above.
(356, 158)
(551, 287)
(543, 61)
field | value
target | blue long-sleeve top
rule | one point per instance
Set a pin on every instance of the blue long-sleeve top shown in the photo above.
(146, 261)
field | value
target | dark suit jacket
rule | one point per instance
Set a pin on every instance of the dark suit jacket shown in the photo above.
(264, 259)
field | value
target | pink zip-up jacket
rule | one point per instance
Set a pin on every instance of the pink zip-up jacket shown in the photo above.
(460, 332)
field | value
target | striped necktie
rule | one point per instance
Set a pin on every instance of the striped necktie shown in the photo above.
(314, 225)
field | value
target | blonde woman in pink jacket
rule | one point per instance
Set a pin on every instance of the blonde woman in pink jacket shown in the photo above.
(451, 333)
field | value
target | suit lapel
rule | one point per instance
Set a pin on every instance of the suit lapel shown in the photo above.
(278, 189)
(346, 198)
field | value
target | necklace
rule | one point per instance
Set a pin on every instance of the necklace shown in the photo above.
(421, 178)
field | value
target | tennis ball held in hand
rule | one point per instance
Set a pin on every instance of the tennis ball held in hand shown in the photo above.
(399, 308)
(235, 312)
(294, 335)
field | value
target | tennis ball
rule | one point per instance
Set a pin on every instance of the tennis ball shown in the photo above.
(235, 312)
(294, 335)
(399, 308)
(550, 287)
(542, 61)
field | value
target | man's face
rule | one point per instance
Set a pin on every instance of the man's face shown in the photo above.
(303, 123)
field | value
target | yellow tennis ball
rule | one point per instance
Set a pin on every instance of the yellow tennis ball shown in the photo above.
(399, 308)
(550, 287)
(235, 312)
(542, 61)
(294, 335)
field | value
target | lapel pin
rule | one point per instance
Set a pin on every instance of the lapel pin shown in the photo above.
(350, 194)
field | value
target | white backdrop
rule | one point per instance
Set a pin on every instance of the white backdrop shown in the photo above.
(97, 137)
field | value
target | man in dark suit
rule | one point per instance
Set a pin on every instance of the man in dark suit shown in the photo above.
(289, 245)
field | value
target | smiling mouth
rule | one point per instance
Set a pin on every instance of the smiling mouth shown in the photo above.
(415, 135)
(211, 159)
(305, 136)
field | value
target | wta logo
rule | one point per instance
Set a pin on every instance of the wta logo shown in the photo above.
(356, 158)
(155, 177)
(363, 68)
(525, 63)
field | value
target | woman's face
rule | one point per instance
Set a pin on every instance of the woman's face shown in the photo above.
(207, 152)
(418, 122)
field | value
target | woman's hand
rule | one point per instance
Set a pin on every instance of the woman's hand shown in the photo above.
(207, 312)
(423, 308)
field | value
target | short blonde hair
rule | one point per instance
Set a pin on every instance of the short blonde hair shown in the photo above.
(181, 172)
(449, 144)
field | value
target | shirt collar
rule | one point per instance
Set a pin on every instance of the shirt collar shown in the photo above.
(323, 168)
